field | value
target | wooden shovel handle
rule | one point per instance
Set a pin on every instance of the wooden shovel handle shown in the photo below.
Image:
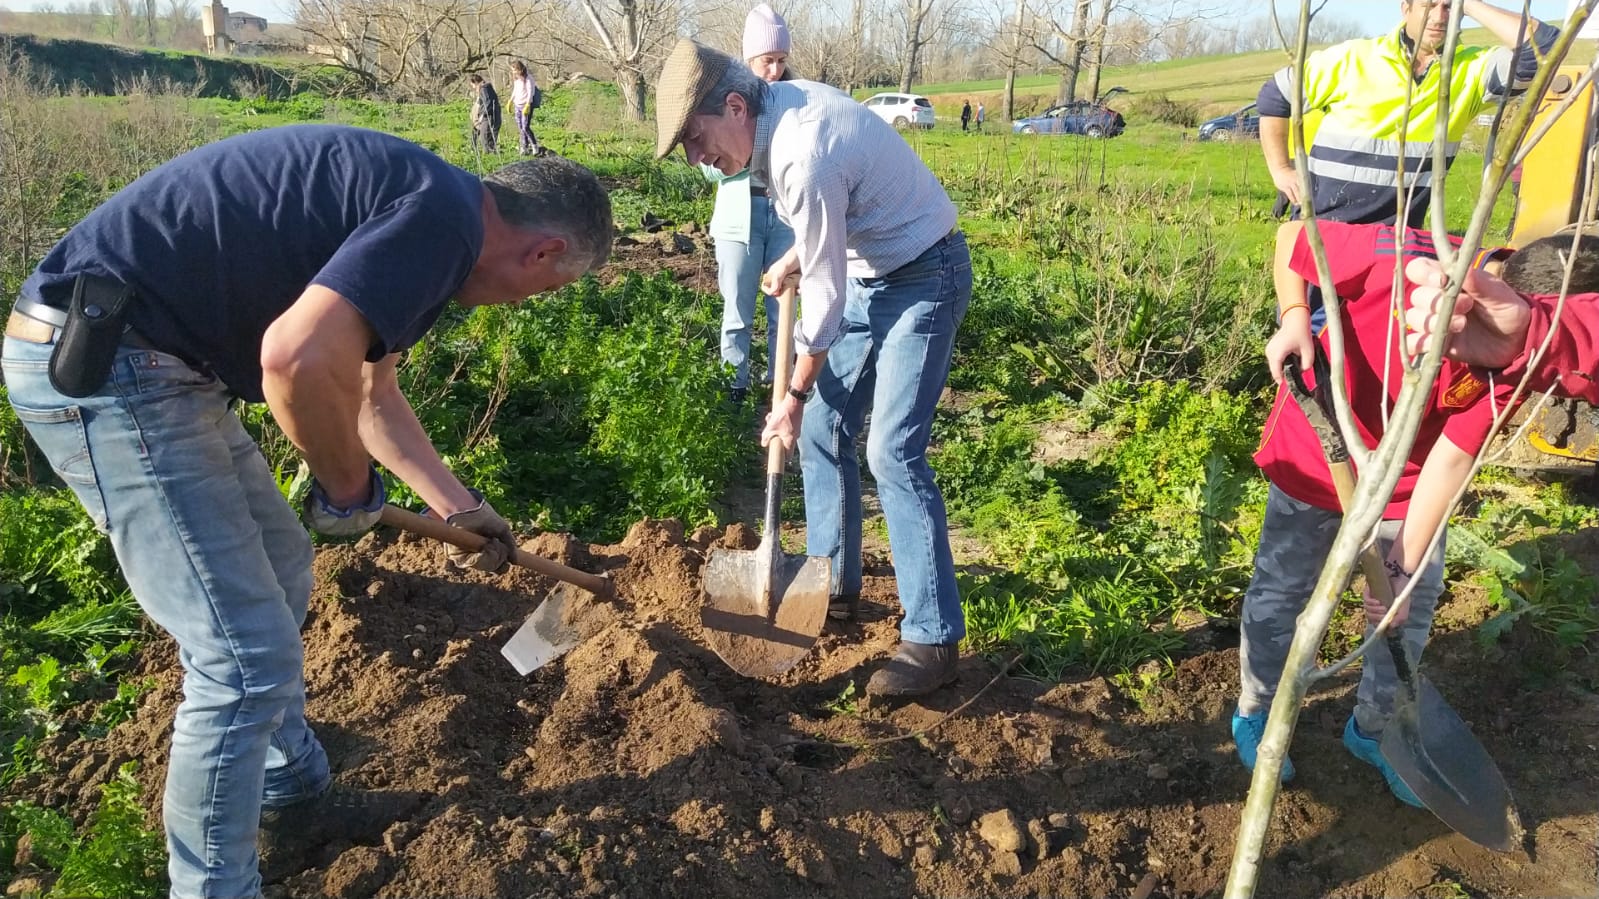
(1338, 465)
(784, 351)
(394, 516)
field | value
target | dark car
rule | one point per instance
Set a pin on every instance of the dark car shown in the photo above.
(1243, 123)
(1091, 118)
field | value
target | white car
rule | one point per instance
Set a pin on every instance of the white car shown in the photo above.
(903, 110)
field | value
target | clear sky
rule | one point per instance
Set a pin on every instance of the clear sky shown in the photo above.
(1377, 15)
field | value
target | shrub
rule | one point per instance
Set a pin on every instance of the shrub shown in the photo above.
(587, 409)
(1161, 108)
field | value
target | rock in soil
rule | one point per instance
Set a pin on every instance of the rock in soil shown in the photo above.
(1007, 864)
(1003, 831)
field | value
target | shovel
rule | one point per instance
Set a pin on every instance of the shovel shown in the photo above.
(555, 626)
(1429, 746)
(764, 608)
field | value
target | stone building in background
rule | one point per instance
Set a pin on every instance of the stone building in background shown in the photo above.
(214, 24)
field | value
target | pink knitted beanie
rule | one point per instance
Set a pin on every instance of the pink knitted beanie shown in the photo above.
(764, 32)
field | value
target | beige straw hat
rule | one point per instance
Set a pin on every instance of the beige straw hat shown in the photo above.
(690, 73)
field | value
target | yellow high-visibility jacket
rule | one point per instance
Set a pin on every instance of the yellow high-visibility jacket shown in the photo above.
(1359, 89)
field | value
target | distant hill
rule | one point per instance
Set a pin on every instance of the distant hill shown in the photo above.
(1220, 84)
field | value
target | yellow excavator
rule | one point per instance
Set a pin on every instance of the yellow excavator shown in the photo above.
(1557, 180)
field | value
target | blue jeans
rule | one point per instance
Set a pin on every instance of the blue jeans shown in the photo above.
(892, 358)
(739, 266)
(216, 557)
(525, 141)
(1294, 541)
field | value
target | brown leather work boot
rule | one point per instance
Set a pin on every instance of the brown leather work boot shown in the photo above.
(917, 669)
(844, 608)
(292, 836)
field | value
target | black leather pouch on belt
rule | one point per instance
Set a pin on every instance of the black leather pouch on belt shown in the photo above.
(82, 359)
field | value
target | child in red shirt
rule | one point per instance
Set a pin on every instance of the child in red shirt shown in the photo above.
(1302, 510)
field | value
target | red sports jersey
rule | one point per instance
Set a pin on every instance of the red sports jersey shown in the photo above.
(1362, 260)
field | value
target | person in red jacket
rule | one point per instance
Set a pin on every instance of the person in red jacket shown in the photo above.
(1498, 328)
(1302, 510)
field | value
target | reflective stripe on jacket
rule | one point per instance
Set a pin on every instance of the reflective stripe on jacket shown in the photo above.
(1361, 88)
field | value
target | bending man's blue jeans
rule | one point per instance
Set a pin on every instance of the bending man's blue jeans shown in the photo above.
(892, 358)
(739, 267)
(218, 559)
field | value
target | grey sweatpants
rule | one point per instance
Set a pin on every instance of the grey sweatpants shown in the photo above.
(1294, 540)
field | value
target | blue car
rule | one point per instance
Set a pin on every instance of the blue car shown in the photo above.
(1090, 118)
(1243, 123)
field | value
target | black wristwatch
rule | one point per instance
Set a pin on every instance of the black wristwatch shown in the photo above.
(803, 396)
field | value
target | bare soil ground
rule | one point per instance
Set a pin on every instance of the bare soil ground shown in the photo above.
(639, 765)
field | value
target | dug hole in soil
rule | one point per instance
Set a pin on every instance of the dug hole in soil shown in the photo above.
(640, 765)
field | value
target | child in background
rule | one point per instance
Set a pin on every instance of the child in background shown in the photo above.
(522, 88)
(485, 115)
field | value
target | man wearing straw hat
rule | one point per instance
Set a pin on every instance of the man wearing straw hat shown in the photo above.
(885, 277)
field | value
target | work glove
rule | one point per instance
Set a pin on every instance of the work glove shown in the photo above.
(482, 519)
(326, 518)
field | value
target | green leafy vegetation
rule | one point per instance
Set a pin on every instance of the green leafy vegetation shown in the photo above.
(1515, 544)
(114, 857)
(1099, 551)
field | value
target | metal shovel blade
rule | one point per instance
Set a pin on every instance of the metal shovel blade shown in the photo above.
(756, 638)
(1435, 754)
(549, 633)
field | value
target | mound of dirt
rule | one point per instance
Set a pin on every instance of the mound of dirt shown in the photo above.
(639, 765)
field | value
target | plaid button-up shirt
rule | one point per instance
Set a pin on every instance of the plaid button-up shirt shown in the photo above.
(860, 201)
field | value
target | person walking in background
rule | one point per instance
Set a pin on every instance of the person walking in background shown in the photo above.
(136, 411)
(523, 88)
(982, 112)
(749, 236)
(1363, 88)
(886, 278)
(485, 115)
(966, 114)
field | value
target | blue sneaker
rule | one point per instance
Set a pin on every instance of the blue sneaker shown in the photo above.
(1369, 750)
(1246, 735)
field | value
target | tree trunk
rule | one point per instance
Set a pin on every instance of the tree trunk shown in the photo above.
(916, 17)
(624, 48)
(907, 70)
(630, 81)
(1018, 44)
(1068, 86)
(854, 77)
(1098, 51)
(1077, 50)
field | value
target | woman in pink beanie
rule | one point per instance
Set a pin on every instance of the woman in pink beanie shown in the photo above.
(749, 236)
(766, 43)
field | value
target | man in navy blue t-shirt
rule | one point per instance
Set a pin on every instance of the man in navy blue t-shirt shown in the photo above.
(289, 266)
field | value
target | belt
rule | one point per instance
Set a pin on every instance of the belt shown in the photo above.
(757, 191)
(22, 326)
(34, 322)
(38, 311)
